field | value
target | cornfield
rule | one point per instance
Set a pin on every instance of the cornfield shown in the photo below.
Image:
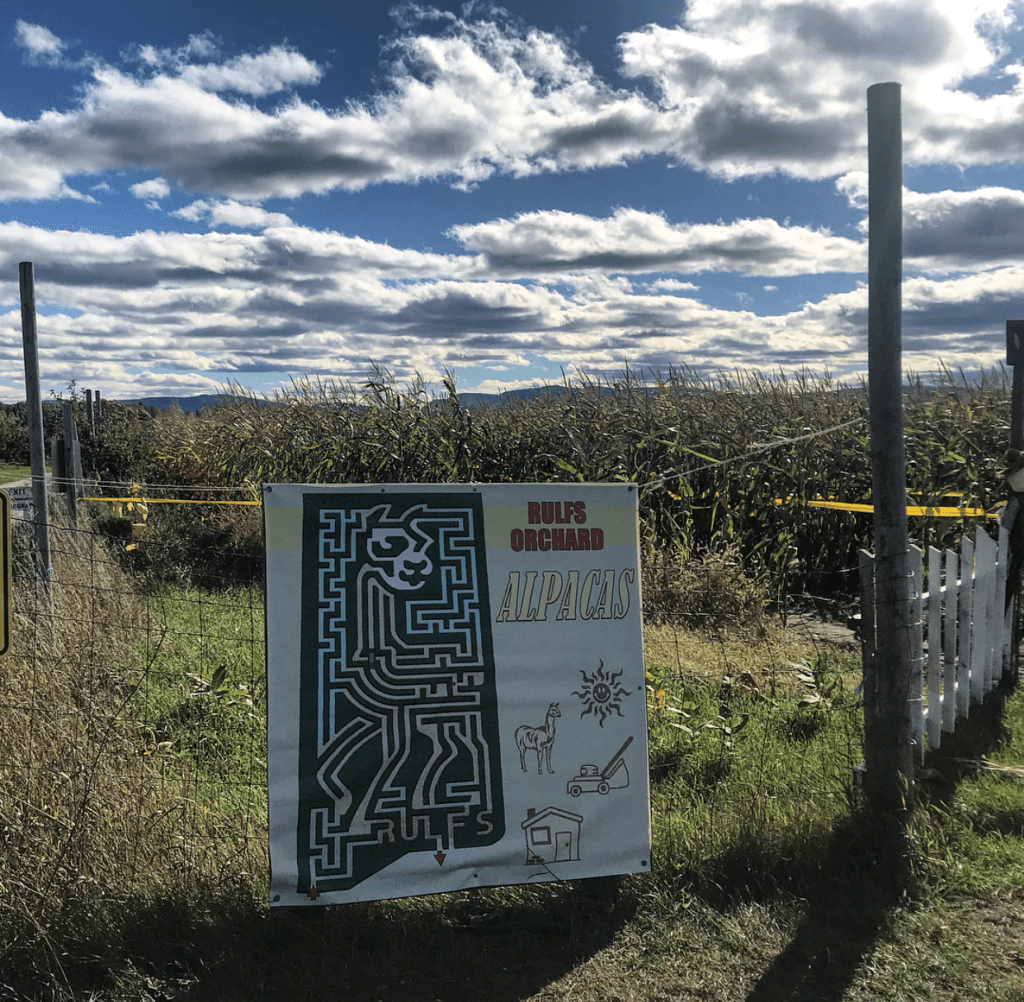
(723, 466)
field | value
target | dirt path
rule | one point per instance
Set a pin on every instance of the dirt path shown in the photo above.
(828, 632)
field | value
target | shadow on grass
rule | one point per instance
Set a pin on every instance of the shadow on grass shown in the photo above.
(484, 945)
(847, 911)
(850, 903)
(842, 889)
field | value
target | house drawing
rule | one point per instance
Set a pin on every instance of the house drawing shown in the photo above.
(552, 835)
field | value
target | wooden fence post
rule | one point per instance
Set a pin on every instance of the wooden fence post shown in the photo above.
(1015, 360)
(72, 461)
(888, 751)
(34, 402)
(1015, 477)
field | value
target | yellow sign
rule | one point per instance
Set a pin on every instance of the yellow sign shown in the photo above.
(5, 573)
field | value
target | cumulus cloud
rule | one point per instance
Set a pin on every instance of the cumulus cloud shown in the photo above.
(40, 44)
(745, 78)
(232, 213)
(199, 46)
(151, 191)
(948, 231)
(672, 285)
(735, 88)
(737, 84)
(963, 230)
(277, 68)
(257, 75)
(634, 241)
(291, 299)
(479, 98)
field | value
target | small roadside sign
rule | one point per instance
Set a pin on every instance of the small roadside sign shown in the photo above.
(5, 572)
(21, 504)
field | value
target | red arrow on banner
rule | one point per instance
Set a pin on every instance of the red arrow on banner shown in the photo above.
(440, 857)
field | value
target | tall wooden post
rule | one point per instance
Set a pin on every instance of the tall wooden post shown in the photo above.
(1015, 359)
(1015, 480)
(888, 752)
(72, 461)
(34, 401)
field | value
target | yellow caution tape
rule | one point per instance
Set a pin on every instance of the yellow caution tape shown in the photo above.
(136, 500)
(926, 511)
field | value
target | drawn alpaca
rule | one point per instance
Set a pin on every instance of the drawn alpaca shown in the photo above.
(538, 739)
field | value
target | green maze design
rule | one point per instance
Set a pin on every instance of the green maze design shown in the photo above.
(398, 739)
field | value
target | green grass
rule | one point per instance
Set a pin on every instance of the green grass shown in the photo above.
(132, 741)
(200, 699)
(764, 882)
(9, 473)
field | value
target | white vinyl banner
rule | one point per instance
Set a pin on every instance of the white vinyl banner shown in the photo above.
(455, 688)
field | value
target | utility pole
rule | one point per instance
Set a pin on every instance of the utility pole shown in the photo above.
(888, 752)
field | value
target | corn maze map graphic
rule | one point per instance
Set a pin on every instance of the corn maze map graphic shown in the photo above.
(397, 704)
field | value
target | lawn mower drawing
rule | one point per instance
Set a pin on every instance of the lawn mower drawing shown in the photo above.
(614, 776)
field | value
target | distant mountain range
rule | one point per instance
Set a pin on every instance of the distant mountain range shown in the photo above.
(185, 403)
(197, 403)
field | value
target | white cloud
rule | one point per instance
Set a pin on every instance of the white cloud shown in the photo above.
(746, 79)
(40, 44)
(278, 68)
(963, 230)
(201, 46)
(672, 285)
(265, 73)
(853, 186)
(946, 231)
(290, 300)
(482, 97)
(232, 213)
(634, 241)
(151, 191)
(739, 92)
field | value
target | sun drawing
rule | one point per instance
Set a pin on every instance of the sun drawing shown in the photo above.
(601, 693)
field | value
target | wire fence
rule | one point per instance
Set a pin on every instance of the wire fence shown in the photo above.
(132, 751)
(133, 747)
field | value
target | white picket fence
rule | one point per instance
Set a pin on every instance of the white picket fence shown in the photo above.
(962, 629)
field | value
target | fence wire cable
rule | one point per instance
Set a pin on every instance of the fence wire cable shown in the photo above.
(760, 450)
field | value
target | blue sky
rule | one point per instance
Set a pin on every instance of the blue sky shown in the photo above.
(253, 192)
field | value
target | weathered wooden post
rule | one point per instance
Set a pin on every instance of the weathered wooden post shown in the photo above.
(72, 471)
(1015, 478)
(888, 751)
(1015, 359)
(34, 402)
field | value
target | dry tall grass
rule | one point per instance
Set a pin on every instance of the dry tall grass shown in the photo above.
(713, 458)
(88, 816)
